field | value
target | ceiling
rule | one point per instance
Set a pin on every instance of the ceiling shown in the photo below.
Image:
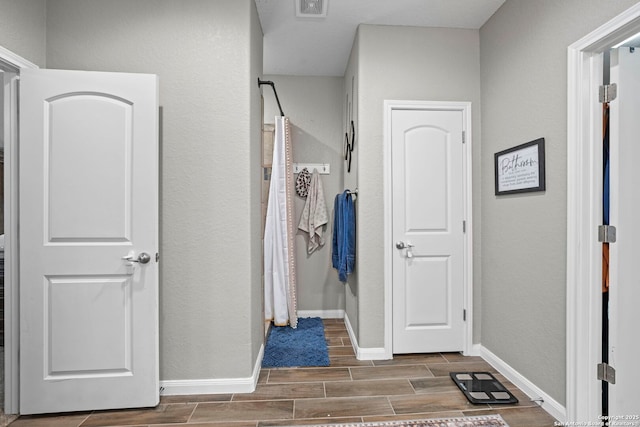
(321, 46)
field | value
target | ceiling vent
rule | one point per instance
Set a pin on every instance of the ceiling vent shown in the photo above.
(311, 8)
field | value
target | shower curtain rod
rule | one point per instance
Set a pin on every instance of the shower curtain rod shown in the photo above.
(273, 86)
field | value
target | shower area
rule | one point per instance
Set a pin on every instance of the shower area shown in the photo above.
(314, 108)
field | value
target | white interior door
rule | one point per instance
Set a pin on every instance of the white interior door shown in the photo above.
(88, 197)
(624, 283)
(428, 213)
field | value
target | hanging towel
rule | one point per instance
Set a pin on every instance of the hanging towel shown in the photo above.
(314, 215)
(344, 236)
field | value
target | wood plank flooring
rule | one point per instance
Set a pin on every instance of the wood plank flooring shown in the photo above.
(350, 390)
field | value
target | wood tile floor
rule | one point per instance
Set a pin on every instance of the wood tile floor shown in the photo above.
(407, 387)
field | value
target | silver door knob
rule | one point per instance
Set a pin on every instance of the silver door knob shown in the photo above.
(403, 245)
(143, 258)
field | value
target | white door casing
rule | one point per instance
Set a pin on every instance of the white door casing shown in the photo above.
(624, 281)
(430, 174)
(88, 198)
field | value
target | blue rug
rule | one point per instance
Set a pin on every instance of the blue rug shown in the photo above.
(303, 346)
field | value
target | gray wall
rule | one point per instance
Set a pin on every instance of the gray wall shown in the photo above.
(524, 85)
(23, 28)
(407, 63)
(208, 56)
(314, 106)
(254, 182)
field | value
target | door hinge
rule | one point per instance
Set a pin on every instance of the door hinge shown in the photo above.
(464, 315)
(606, 234)
(464, 226)
(464, 136)
(606, 373)
(607, 93)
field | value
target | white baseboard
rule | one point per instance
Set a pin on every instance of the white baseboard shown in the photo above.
(323, 314)
(553, 407)
(216, 385)
(476, 350)
(372, 353)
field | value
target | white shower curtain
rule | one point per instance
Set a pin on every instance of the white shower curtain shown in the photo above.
(280, 303)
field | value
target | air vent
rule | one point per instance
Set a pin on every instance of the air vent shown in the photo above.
(311, 8)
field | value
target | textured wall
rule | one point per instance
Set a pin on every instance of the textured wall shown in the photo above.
(207, 55)
(314, 105)
(22, 28)
(255, 184)
(402, 63)
(524, 85)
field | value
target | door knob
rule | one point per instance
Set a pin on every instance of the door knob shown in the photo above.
(403, 245)
(143, 258)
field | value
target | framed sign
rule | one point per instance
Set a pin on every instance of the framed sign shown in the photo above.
(520, 169)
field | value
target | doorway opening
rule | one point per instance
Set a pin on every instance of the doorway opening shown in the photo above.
(10, 66)
(584, 212)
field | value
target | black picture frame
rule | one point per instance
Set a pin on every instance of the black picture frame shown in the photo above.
(520, 169)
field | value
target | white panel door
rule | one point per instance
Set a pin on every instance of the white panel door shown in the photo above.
(624, 280)
(428, 213)
(88, 197)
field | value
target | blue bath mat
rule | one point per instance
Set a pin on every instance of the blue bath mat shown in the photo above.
(303, 346)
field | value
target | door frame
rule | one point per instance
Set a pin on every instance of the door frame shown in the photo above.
(12, 63)
(584, 190)
(465, 108)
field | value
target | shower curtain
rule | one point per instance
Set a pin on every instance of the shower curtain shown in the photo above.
(280, 303)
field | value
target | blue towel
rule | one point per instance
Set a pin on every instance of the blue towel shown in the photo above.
(344, 235)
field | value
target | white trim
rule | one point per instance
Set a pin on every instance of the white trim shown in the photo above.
(11, 63)
(11, 60)
(11, 267)
(371, 353)
(584, 186)
(465, 108)
(388, 230)
(352, 335)
(210, 386)
(323, 314)
(476, 350)
(552, 406)
(214, 385)
(468, 241)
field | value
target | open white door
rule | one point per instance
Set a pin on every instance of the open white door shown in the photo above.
(428, 212)
(88, 197)
(624, 280)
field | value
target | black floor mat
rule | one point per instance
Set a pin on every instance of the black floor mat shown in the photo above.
(482, 387)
